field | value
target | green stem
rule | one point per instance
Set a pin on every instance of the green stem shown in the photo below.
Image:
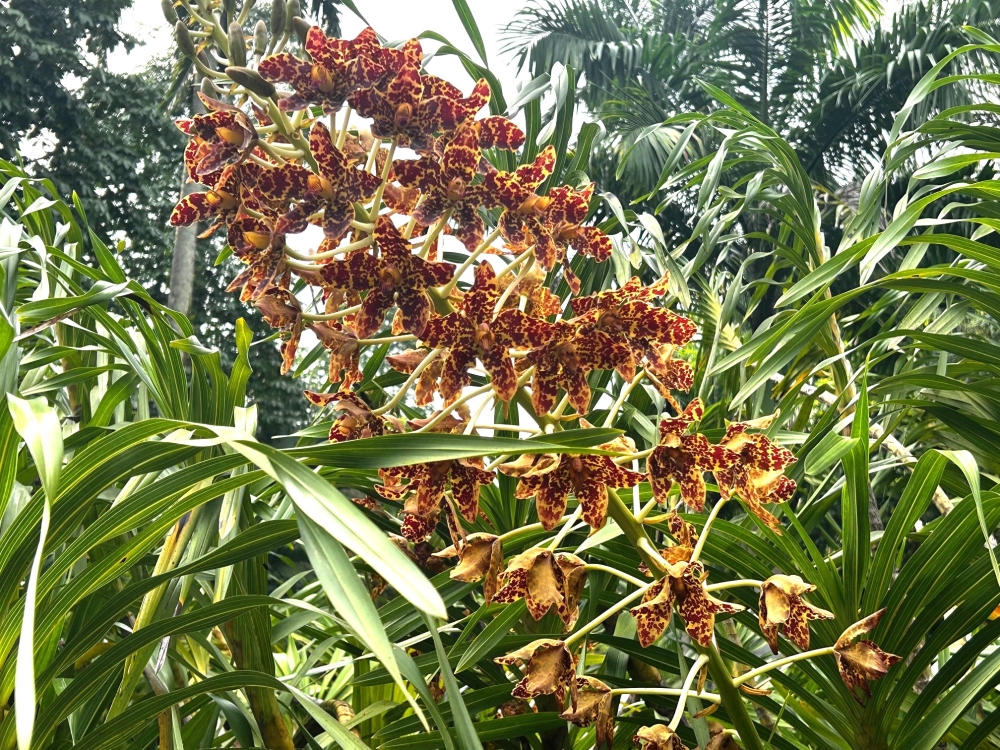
(730, 694)
(747, 676)
(615, 572)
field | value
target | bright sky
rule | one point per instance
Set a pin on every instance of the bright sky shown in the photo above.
(393, 19)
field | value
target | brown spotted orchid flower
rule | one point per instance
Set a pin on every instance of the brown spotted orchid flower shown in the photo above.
(550, 670)
(413, 108)
(683, 584)
(593, 705)
(540, 301)
(262, 252)
(633, 290)
(684, 458)
(564, 362)
(758, 476)
(424, 489)
(221, 202)
(684, 533)
(396, 277)
(472, 332)
(345, 354)
(446, 184)
(544, 580)
(480, 558)
(781, 606)
(220, 138)
(637, 324)
(281, 310)
(552, 224)
(338, 68)
(333, 190)
(515, 191)
(427, 381)
(550, 481)
(357, 420)
(861, 662)
(658, 737)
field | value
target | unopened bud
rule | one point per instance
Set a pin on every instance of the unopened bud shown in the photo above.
(168, 11)
(277, 17)
(229, 8)
(260, 38)
(251, 81)
(184, 40)
(209, 89)
(292, 10)
(207, 60)
(301, 28)
(237, 45)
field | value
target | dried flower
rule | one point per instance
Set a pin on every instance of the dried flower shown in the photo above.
(550, 669)
(544, 580)
(861, 662)
(658, 737)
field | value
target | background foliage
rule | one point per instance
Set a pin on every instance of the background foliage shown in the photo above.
(172, 603)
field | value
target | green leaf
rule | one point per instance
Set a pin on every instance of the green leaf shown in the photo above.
(471, 27)
(467, 737)
(31, 313)
(349, 596)
(967, 463)
(487, 640)
(340, 734)
(829, 451)
(340, 518)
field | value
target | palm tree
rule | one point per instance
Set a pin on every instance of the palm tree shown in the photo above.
(825, 75)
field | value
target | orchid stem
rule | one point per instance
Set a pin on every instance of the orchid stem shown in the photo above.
(401, 393)
(708, 526)
(734, 584)
(710, 697)
(700, 662)
(606, 614)
(754, 673)
(615, 572)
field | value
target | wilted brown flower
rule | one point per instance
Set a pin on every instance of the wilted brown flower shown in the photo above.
(544, 580)
(550, 670)
(593, 704)
(658, 737)
(480, 557)
(861, 662)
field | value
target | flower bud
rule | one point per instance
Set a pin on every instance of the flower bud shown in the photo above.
(260, 38)
(277, 17)
(168, 11)
(292, 9)
(184, 40)
(237, 45)
(301, 27)
(251, 81)
(209, 89)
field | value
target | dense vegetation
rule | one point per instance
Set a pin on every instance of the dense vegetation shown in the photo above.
(709, 464)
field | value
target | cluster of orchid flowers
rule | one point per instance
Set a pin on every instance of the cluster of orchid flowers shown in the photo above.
(382, 218)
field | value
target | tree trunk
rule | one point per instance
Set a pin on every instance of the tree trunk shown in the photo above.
(185, 255)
